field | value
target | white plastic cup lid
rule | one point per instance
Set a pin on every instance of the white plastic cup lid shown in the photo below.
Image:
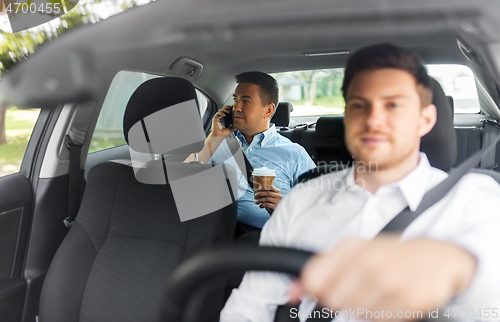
(264, 172)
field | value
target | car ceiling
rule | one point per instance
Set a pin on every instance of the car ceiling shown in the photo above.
(229, 37)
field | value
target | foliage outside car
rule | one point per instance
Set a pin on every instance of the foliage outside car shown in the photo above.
(20, 123)
(305, 89)
(16, 124)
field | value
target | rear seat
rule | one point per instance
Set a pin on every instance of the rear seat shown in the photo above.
(468, 141)
(491, 129)
(468, 137)
(324, 141)
(471, 138)
(302, 134)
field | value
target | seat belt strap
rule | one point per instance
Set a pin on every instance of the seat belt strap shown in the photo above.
(74, 183)
(249, 170)
(399, 223)
(248, 167)
(75, 142)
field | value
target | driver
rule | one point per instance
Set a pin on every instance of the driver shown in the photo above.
(447, 257)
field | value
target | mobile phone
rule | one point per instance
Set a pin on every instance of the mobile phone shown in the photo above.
(227, 120)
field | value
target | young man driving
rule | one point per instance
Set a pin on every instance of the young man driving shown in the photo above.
(447, 256)
(255, 101)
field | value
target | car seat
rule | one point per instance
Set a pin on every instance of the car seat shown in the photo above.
(281, 117)
(329, 145)
(128, 236)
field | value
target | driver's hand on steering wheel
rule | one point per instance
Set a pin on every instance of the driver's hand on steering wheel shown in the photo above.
(384, 274)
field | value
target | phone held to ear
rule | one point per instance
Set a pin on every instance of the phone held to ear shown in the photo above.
(227, 120)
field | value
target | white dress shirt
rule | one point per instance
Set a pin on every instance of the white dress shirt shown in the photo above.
(321, 213)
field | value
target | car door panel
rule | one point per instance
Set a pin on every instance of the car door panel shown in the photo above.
(45, 237)
(12, 293)
(15, 212)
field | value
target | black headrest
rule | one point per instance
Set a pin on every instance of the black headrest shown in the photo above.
(452, 105)
(329, 143)
(330, 126)
(282, 115)
(440, 144)
(163, 116)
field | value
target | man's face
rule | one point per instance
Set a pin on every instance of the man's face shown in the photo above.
(249, 115)
(384, 120)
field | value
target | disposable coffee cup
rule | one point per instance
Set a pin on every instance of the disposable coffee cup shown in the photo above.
(263, 177)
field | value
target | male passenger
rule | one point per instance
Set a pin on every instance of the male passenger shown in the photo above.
(447, 256)
(255, 101)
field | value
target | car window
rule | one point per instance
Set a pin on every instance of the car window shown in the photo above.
(312, 92)
(458, 82)
(108, 132)
(16, 126)
(318, 92)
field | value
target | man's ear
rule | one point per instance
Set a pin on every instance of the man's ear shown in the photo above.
(428, 117)
(270, 109)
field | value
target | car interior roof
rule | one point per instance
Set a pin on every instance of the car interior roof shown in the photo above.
(229, 37)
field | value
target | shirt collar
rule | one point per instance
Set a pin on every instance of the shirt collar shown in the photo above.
(268, 134)
(263, 138)
(241, 138)
(341, 182)
(350, 182)
(413, 186)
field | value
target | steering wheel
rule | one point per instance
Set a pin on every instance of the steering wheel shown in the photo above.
(205, 266)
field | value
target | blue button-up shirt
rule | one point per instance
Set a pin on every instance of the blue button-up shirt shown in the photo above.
(274, 151)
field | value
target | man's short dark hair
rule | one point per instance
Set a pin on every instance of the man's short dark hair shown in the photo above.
(388, 56)
(269, 91)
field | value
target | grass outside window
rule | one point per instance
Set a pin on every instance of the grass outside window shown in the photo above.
(19, 124)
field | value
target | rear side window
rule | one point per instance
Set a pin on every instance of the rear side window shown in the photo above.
(312, 92)
(108, 132)
(16, 126)
(318, 92)
(459, 83)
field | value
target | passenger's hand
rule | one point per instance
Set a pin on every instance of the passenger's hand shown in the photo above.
(386, 275)
(268, 198)
(217, 128)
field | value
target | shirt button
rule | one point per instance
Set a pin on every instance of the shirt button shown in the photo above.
(249, 149)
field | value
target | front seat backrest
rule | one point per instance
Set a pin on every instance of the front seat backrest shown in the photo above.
(127, 238)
